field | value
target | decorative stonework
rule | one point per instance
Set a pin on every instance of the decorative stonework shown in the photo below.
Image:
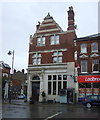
(83, 56)
(94, 55)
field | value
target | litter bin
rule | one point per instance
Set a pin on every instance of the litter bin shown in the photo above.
(31, 100)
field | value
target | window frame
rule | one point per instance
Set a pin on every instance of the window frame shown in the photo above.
(54, 40)
(58, 56)
(37, 57)
(41, 41)
(85, 48)
(93, 65)
(85, 66)
(94, 44)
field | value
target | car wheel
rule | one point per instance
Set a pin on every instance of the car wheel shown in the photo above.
(88, 105)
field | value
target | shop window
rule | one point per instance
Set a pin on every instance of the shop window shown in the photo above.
(96, 85)
(64, 85)
(64, 77)
(84, 66)
(95, 65)
(54, 77)
(59, 77)
(49, 87)
(49, 77)
(83, 48)
(59, 87)
(54, 88)
(94, 47)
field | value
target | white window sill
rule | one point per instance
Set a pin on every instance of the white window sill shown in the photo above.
(84, 72)
(95, 72)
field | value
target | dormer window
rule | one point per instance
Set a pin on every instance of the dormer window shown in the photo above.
(94, 47)
(83, 48)
(41, 41)
(54, 39)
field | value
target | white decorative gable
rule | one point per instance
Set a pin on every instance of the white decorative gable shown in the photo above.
(83, 56)
(94, 55)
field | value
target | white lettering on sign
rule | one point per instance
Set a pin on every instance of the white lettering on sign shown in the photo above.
(92, 79)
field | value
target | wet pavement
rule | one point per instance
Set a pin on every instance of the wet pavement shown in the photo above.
(46, 111)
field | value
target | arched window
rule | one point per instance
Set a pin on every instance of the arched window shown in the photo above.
(83, 48)
(94, 47)
(36, 78)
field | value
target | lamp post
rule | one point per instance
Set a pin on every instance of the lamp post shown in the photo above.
(11, 53)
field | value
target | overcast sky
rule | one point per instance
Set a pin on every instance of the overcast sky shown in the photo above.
(19, 19)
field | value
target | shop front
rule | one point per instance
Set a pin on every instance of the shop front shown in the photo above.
(89, 85)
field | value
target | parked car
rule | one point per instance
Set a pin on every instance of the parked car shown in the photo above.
(91, 100)
(21, 96)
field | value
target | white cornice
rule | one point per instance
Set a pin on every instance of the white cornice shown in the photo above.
(49, 24)
(46, 51)
(49, 30)
(48, 66)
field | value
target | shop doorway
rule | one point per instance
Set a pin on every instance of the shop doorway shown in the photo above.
(35, 89)
(70, 95)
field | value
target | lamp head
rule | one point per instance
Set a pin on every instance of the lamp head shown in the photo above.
(9, 53)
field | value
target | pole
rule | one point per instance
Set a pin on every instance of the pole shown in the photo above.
(11, 53)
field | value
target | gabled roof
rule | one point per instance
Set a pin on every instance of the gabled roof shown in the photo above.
(48, 25)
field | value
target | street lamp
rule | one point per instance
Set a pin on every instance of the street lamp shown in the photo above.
(11, 53)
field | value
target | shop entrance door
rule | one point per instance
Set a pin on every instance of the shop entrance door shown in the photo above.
(35, 90)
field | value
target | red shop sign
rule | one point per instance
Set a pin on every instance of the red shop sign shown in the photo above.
(89, 79)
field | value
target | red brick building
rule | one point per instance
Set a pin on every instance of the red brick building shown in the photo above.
(51, 58)
(4, 69)
(87, 57)
(4, 76)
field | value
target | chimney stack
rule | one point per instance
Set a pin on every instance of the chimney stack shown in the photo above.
(14, 71)
(71, 19)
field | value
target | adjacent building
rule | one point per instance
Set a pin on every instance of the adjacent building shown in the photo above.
(4, 69)
(18, 82)
(51, 59)
(87, 59)
(4, 76)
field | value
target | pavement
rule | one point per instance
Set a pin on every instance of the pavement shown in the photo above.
(21, 102)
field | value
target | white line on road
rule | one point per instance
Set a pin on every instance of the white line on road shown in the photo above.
(53, 116)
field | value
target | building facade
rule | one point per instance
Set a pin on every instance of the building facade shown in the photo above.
(4, 76)
(18, 83)
(87, 59)
(51, 59)
(4, 69)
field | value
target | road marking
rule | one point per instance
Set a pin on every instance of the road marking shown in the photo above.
(53, 116)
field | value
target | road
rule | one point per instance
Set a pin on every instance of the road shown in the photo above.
(46, 111)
